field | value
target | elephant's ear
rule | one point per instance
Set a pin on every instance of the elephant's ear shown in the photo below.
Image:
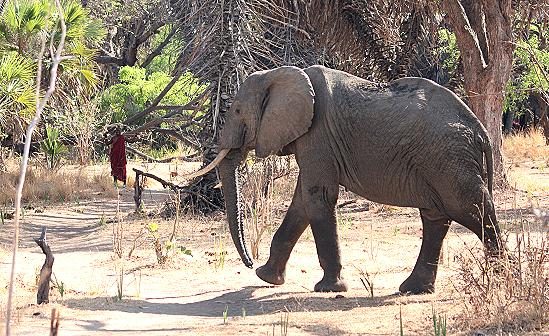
(287, 109)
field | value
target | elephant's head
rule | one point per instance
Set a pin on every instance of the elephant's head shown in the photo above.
(271, 109)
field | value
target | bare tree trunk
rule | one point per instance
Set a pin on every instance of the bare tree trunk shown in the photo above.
(485, 98)
(484, 34)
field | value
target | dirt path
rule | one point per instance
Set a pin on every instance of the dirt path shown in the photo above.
(189, 295)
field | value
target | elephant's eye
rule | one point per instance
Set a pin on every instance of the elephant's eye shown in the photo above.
(237, 111)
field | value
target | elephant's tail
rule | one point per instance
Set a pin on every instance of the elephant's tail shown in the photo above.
(487, 149)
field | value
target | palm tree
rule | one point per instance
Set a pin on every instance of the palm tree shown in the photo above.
(17, 75)
(23, 23)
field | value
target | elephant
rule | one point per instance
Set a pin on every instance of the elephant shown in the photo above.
(406, 143)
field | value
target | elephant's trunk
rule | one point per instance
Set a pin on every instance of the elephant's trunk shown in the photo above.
(233, 202)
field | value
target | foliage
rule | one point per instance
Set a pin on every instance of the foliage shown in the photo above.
(137, 89)
(16, 87)
(53, 148)
(448, 51)
(22, 22)
(82, 33)
(164, 250)
(166, 61)
(22, 25)
(527, 76)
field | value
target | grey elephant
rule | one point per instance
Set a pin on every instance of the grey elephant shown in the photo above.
(408, 143)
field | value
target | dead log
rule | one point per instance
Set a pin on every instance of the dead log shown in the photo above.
(166, 184)
(43, 295)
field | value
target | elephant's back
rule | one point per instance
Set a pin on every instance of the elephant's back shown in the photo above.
(402, 143)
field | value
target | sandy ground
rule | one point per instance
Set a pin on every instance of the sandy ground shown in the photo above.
(213, 293)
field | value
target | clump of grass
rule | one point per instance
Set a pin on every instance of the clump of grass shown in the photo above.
(284, 323)
(400, 323)
(119, 283)
(43, 185)
(367, 280)
(510, 294)
(439, 323)
(220, 253)
(59, 285)
(226, 314)
(528, 146)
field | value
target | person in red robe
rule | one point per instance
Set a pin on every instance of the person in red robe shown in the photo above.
(118, 158)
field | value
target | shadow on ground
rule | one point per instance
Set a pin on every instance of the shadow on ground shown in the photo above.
(77, 226)
(235, 302)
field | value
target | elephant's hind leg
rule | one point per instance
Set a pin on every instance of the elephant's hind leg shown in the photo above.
(422, 279)
(284, 240)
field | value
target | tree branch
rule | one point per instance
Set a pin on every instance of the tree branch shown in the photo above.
(499, 22)
(106, 59)
(176, 135)
(148, 33)
(158, 50)
(174, 187)
(157, 100)
(192, 105)
(474, 12)
(467, 40)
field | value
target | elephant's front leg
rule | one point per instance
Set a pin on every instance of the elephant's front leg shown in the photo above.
(284, 240)
(320, 197)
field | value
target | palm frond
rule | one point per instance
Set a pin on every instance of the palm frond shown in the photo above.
(16, 83)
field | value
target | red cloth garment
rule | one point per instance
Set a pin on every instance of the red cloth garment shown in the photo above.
(118, 158)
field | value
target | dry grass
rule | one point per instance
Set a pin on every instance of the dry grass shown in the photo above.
(526, 147)
(267, 183)
(509, 295)
(42, 185)
(523, 179)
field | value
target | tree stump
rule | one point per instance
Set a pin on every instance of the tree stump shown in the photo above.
(43, 295)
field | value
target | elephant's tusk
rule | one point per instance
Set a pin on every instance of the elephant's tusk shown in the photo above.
(209, 167)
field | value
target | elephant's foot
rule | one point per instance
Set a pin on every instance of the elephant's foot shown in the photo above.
(268, 274)
(331, 285)
(417, 285)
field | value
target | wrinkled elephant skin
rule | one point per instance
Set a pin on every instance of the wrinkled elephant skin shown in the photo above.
(409, 143)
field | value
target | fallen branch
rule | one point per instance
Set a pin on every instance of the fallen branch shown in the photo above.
(165, 184)
(43, 293)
